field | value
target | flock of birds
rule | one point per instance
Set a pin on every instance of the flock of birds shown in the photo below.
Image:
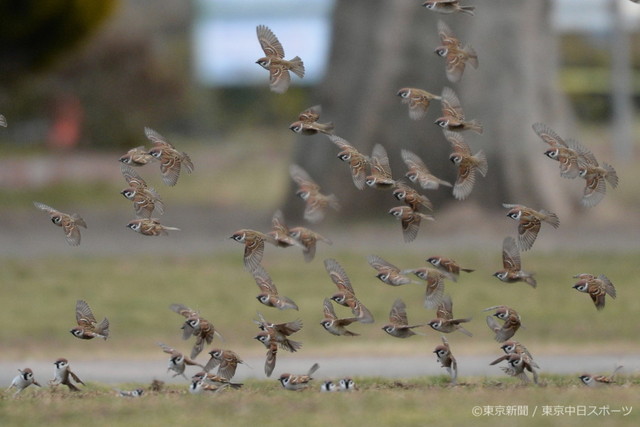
(372, 171)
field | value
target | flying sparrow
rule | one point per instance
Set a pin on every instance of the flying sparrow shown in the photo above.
(226, 360)
(518, 364)
(347, 384)
(597, 288)
(69, 223)
(307, 239)
(201, 328)
(398, 325)
(62, 374)
(418, 101)
(138, 156)
(387, 272)
(307, 123)
(88, 328)
(564, 153)
(446, 359)
(419, 173)
(444, 321)
(274, 62)
(253, 246)
(334, 325)
(328, 386)
(177, 362)
(596, 178)
(529, 223)
(215, 380)
(453, 116)
(346, 296)
(448, 6)
(145, 199)
(201, 386)
(130, 393)
(411, 197)
(22, 381)
(455, 54)
(380, 177)
(316, 202)
(466, 164)
(598, 380)
(358, 162)
(434, 292)
(512, 271)
(272, 351)
(511, 323)
(410, 221)
(297, 382)
(280, 232)
(268, 291)
(171, 160)
(278, 332)
(448, 266)
(150, 227)
(514, 347)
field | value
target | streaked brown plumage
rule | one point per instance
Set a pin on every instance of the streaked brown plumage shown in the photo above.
(564, 153)
(280, 231)
(308, 239)
(268, 292)
(332, 324)
(227, 362)
(456, 55)
(529, 223)
(274, 62)
(253, 246)
(297, 382)
(596, 178)
(398, 325)
(88, 327)
(197, 326)
(307, 123)
(448, 266)
(466, 165)
(419, 173)
(411, 197)
(380, 177)
(316, 203)
(346, 295)
(178, 362)
(150, 227)
(434, 279)
(512, 271)
(597, 288)
(69, 223)
(444, 321)
(171, 160)
(138, 156)
(358, 162)
(279, 332)
(446, 359)
(145, 199)
(453, 116)
(418, 100)
(387, 272)
(410, 221)
(511, 323)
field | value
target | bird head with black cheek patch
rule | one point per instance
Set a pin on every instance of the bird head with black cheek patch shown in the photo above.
(586, 379)
(238, 237)
(77, 332)
(515, 360)
(303, 194)
(216, 354)
(155, 152)
(56, 219)
(508, 347)
(455, 158)
(177, 360)
(264, 62)
(263, 298)
(412, 176)
(552, 153)
(193, 322)
(383, 276)
(326, 324)
(60, 363)
(443, 123)
(582, 172)
(347, 383)
(370, 181)
(435, 324)
(134, 225)
(429, 4)
(284, 379)
(26, 374)
(422, 274)
(390, 329)
(128, 193)
(295, 234)
(339, 298)
(434, 260)
(500, 275)
(397, 211)
(441, 352)
(399, 194)
(404, 93)
(441, 51)
(263, 338)
(502, 314)
(514, 214)
(581, 286)
(296, 127)
(345, 156)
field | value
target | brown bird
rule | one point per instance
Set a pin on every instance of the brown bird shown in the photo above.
(279, 332)
(332, 324)
(596, 178)
(214, 380)
(358, 162)
(308, 239)
(272, 351)
(227, 362)
(455, 54)
(88, 327)
(380, 177)
(145, 199)
(69, 223)
(346, 295)
(448, 6)
(297, 382)
(411, 197)
(597, 288)
(418, 101)
(444, 321)
(446, 359)
(410, 221)
(512, 271)
(171, 160)
(268, 292)
(150, 227)
(434, 292)
(598, 380)
(448, 266)
(514, 347)
(62, 374)
(529, 223)
(195, 325)
(563, 152)
(452, 115)
(518, 364)
(138, 156)
(419, 173)
(307, 123)
(387, 272)
(253, 246)
(178, 362)
(398, 325)
(511, 323)
(274, 62)
(466, 164)
(280, 231)
(316, 203)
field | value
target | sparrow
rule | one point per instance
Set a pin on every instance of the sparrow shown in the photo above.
(597, 288)
(596, 178)
(328, 386)
(22, 381)
(130, 393)
(444, 321)
(272, 352)
(466, 163)
(138, 156)
(253, 246)
(387, 272)
(201, 386)
(419, 173)
(145, 199)
(69, 223)
(598, 380)
(215, 380)
(380, 177)
(512, 271)
(347, 384)
(278, 333)
(316, 203)
(518, 364)
(529, 223)
(410, 221)
(274, 62)
(398, 325)
(560, 150)
(455, 54)
(514, 347)
(434, 292)
(62, 374)
(334, 325)
(178, 362)
(297, 382)
(227, 362)
(346, 295)
(418, 101)
(171, 160)
(87, 325)
(150, 227)
(308, 240)
(268, 291)
(449, 6)
(411, 197)
(452, 115)
(358, 162)
(280, 232)
(446, 359)
(201, 328)
(448, 266)
(512, 322)
(307, 123)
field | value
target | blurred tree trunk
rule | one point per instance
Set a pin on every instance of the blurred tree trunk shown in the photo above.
(379, 46)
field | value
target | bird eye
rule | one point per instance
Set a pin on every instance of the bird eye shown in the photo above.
(455, 159)
(400, 195)
(344, 157)
(441, 51)
(442, 123)
(403, 94)
(296, 129)
(383, 276)
(304, 195)
(582, 172)
(56, 219)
